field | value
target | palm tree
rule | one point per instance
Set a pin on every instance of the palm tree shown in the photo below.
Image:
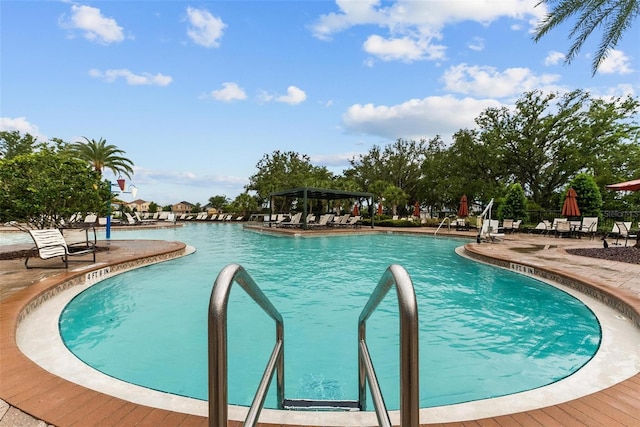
(101, 156)
(613, 16)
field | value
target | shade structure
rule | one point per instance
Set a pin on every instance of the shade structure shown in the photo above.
(463, 210)
(625, 186)
(570, 206)
(356, 210)
(380, 208)
(416, 209)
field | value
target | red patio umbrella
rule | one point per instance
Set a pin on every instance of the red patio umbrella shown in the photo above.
(463, 210)
(380, 208)
(625, 186)
(570, 206)
(416, 209)
(356, 211)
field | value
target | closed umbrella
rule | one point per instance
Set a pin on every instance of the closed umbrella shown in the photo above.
(463, 210)
(356, 210)
(416, 209)
(570, 206)
(380, 208)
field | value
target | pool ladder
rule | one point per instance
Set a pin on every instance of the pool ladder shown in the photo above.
(395, 276)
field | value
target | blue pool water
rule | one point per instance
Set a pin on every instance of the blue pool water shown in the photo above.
(485, 332)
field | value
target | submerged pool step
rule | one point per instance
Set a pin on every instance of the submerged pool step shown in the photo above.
(320, 405)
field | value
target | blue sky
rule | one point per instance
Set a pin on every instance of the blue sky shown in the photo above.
(196, 93)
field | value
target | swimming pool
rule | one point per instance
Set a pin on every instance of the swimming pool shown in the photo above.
(513, 329)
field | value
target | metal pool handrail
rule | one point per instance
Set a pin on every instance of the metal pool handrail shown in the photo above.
(217, 336)
(446, 218)
(409, 378)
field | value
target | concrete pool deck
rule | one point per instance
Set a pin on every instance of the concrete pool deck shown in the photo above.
(26, 388)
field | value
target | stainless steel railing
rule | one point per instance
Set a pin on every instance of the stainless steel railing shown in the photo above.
(446, 218)
(396, 276)
(218, 414)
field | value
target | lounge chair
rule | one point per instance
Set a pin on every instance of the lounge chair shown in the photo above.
(322, 221)
(461, 224)
(144, 221)
(588, 227)
(130, 220)
(507, 225)
(490, 232)
(554, 226)
(516, 225)
(293, 222)
(543, 227)
(353, 221)
(624, 231)
(340, 220)
(51, 244)
(563, 228)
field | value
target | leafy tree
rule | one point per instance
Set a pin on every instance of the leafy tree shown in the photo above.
(102, 156)
(219, 202)
(435, 166)
(613, 16)
(514, 205)
(196, 208)
(470, 166)
(538, 143)
(282, 171)
(395, 196)
(244, 203)
(13, 144)
(153, 207)
(378, 188)
(47, 187)
(589, 198)
(398, 164)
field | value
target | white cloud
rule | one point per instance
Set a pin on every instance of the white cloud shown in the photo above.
(338, 159)
(22, 125)
(406, 48)
(204, 28)
(230, 92)
(412, 25)
(489, 82)
(294, 96)
(616, 62)
(416, 118)
(95, 27)
(619, 91)
(476, 44)
(553, 58)
(132, 79)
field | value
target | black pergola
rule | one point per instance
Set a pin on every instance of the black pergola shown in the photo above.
(307, 193)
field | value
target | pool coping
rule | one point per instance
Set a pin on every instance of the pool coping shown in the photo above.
(39, 395)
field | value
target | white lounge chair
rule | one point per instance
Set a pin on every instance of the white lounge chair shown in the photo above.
(490, 232)
(130, 220)
(507, 225)
(51, 244)
(589, 226)
(294, 222)
(554, 226)
(144, 221)
(624, 231)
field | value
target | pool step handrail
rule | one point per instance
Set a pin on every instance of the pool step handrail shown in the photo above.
(446, 218)
(396, 276)
(217, 336)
